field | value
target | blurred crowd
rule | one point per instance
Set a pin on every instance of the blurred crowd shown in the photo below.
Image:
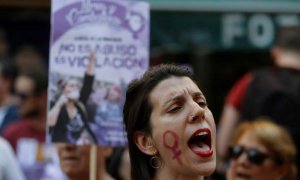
(257, 136)
(269, 92)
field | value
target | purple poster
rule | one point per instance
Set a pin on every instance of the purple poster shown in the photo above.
(97, 47)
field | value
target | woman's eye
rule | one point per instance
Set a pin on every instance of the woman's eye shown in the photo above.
(174, 109)
(202, 104)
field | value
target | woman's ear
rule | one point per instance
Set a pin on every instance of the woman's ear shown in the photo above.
(145, 143)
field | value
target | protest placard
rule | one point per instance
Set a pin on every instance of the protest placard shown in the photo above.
(97, 47)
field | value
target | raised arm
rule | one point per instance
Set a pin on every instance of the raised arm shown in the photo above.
(91, 65)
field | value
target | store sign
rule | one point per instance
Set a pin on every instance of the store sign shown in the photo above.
(218, 30)
(257, 30)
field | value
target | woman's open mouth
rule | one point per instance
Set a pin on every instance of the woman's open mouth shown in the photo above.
(200, 143)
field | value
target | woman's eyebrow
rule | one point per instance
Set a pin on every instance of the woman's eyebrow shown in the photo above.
(198, 95)
(174, 98)
(179, 97)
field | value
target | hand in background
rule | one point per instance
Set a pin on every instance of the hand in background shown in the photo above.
(91, 64)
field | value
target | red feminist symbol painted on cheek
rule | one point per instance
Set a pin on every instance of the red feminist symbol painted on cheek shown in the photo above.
(171, 142)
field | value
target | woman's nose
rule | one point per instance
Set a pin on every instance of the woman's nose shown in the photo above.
(197, 113)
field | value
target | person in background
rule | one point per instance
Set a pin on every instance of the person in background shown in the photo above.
(110, 108)
(9, 167)
(170, 129)
(262, 150)
(119, 164)
(271, 92)
(31, 90)
(75, 161)
(108, 118)
(9, 109)
(29, 58)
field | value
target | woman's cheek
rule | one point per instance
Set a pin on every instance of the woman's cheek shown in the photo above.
(171, 145)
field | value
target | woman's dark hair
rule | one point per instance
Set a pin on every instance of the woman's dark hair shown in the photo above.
(115, 162)
(137, 111)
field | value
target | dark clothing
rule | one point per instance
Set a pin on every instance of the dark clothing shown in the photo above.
(275, 93)
(12, 115)
(69, 130)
